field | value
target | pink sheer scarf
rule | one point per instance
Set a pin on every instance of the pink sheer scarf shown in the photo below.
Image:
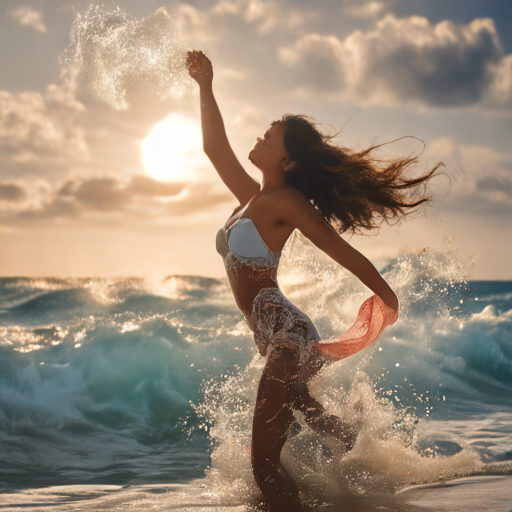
(373, 317)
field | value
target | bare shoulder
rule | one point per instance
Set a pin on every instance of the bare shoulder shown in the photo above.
(296, 210)
(285, 205)
(290, 199)
(287, 195)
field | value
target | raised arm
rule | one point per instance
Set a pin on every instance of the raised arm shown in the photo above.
(215, 141)
(296, 210)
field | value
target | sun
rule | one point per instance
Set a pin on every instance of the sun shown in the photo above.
(173, 150)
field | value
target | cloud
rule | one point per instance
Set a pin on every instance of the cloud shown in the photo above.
(80, 197)
(230, 20)
(499, 185)
(196, 26)
(500, 89)
(11, 192)
(198, 198)
(482, 178)
(112, 194)
(107, 198)
(28, 17)
(318, 61)
(365, 9)
(38, 132)
(407, 61)
(265, 15)
(101, 194)
(17, 196)
(146, 186)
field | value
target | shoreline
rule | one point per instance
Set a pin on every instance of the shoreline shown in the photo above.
(492, 493)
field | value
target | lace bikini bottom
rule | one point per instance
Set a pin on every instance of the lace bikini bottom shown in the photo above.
(279, 323)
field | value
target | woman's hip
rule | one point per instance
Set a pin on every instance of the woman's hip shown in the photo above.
(278, 322)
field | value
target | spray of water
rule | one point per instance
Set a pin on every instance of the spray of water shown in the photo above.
(117, 56)
(386, 457)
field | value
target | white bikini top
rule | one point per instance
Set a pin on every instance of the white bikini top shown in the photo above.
(243, 240)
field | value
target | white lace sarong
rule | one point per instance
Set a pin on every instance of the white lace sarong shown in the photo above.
(279, 323)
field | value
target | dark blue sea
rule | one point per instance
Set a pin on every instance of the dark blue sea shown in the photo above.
(130, 381)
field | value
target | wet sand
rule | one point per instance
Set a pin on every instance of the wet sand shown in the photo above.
(470, 494)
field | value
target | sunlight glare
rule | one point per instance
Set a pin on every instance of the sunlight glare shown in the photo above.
(173, 150)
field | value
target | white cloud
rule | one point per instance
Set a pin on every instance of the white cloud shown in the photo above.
(38, 132)
(237, 22)
(267, 15)
(499, 92)
(26, 16)
(248, 120)
(319, 61)
(407, 61)
(196, 27)
(365, 9)
(482, 177)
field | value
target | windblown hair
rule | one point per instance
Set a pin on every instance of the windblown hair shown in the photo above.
(353, 190)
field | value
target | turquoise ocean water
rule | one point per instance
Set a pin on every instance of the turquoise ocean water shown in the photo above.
(133, 381)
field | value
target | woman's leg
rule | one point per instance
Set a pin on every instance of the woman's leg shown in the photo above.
(314, 412)
(322, 422)
(272, 418)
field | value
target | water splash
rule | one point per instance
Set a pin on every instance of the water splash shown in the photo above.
(390, 452)
(118, 57)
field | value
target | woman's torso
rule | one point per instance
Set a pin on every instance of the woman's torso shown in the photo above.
(250, 264)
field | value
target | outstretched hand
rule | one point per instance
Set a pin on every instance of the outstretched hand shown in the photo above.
(199, 67)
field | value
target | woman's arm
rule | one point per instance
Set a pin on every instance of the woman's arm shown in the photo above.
(215, 141)
(296, 210)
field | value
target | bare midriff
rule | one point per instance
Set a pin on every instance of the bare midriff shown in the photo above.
(246, 281)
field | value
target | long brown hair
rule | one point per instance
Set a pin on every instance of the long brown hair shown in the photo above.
(353, 190)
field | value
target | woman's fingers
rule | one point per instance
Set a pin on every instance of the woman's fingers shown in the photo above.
(192, 61)
(192, 56)
(195, 54)
(199, 66)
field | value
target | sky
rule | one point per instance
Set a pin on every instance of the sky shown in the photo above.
(101, 167)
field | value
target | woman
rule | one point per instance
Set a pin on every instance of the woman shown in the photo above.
(298, 165)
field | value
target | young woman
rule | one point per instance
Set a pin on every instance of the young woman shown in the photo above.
(308, 183)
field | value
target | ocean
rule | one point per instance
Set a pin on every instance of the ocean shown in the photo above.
(110, 385)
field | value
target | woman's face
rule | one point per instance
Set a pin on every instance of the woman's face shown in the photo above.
(269, 152)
